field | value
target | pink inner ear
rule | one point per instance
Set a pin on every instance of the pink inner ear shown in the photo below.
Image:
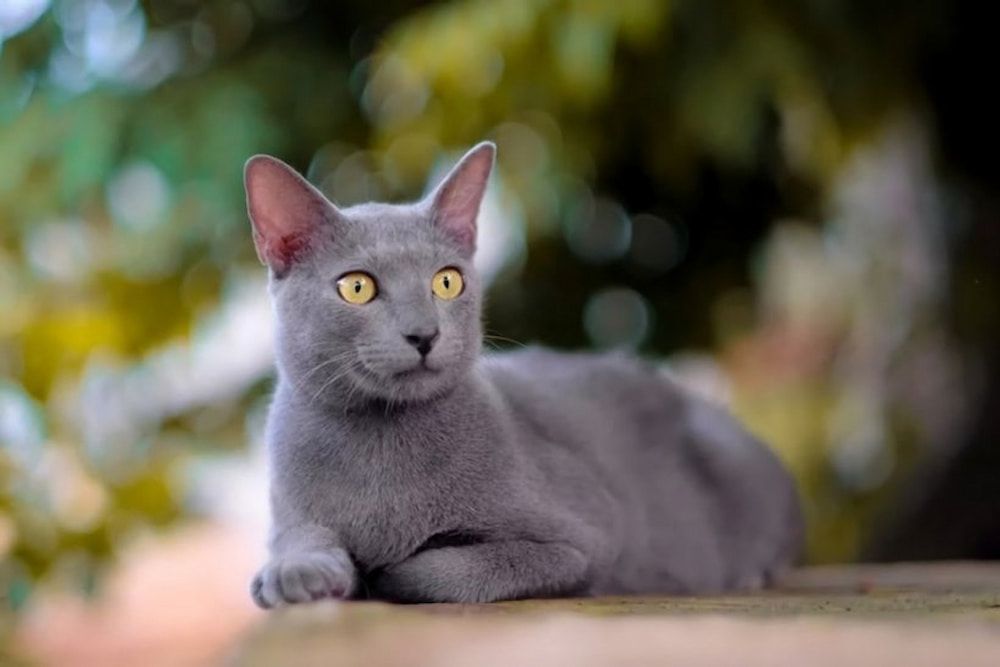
(458, 198)
(280, 252)
(285, 210)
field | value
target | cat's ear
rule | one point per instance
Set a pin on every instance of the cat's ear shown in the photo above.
(286, 211)
(455, 202)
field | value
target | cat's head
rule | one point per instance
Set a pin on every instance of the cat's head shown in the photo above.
(377, 301)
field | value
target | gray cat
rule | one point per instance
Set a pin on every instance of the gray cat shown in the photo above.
(405, 466)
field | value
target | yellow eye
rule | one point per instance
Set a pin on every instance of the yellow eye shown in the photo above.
(447, 284)
(357, 288)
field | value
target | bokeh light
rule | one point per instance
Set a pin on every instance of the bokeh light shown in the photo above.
(617, 318)
(18, 15)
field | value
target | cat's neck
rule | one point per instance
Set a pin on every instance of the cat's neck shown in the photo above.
(376, 434)
(352, 409)
(382, 409)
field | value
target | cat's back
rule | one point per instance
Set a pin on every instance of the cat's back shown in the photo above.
(597, 380)
(607, 409)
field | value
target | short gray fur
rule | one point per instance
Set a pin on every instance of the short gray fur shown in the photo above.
(490, 477)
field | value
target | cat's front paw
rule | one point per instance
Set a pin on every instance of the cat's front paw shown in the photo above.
(303, 577)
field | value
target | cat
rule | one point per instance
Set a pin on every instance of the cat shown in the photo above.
(406, 466)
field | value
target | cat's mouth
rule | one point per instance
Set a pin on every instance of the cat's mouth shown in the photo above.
(420, 370)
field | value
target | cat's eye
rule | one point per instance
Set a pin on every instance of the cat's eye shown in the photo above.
(447, 284)
(357, 287)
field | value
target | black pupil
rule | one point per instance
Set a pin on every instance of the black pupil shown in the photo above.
(446, 281)
(357, 286)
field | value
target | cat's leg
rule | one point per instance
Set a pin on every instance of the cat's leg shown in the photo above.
(485, 572)
(306, 564)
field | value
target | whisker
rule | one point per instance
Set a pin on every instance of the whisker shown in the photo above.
(336, 358)
(355, 386)
(337, 376)
(502, 339)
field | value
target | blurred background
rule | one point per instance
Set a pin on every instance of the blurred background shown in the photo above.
(793, 205)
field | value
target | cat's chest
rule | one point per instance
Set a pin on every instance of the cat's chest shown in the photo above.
(399, 493)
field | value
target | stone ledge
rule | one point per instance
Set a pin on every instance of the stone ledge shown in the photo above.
(913, 614)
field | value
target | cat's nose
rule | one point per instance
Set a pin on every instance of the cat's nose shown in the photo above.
(422, 341)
